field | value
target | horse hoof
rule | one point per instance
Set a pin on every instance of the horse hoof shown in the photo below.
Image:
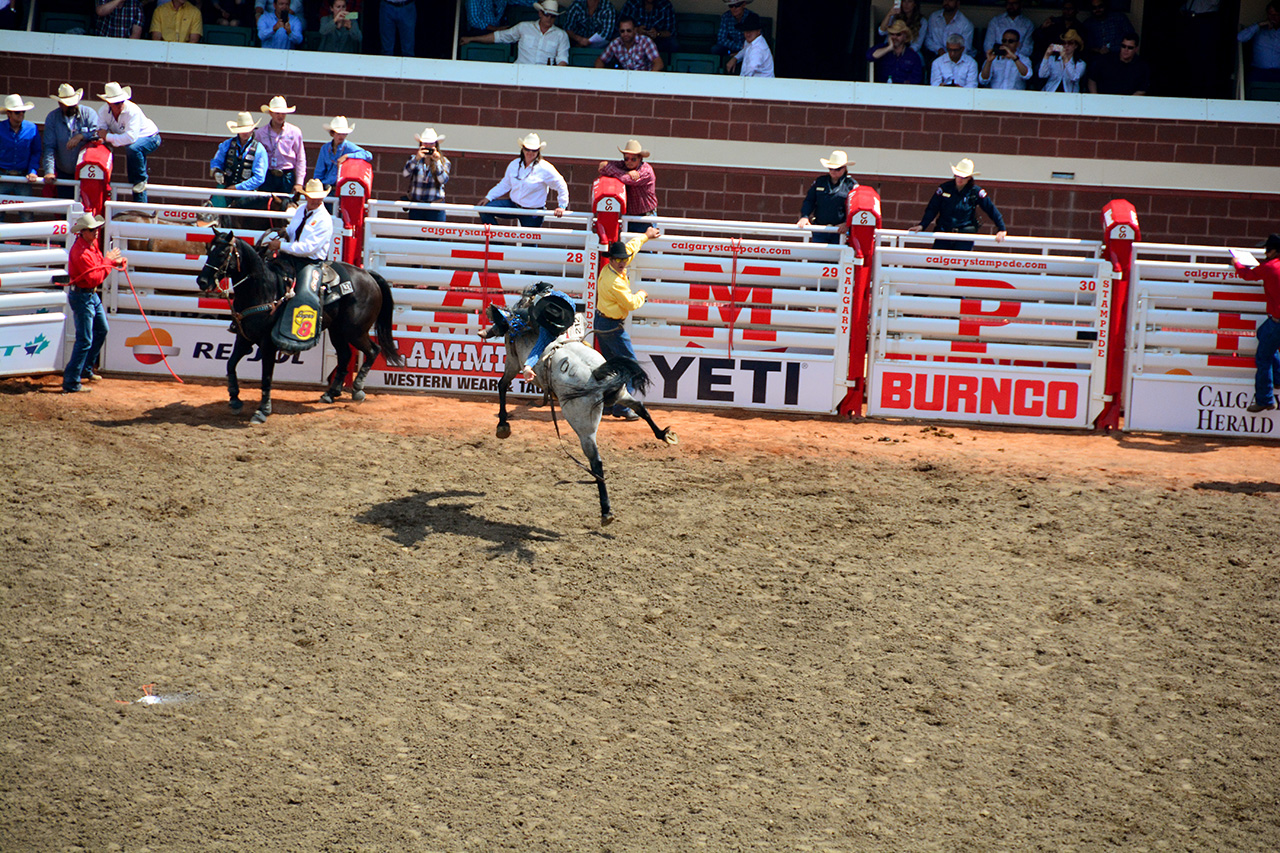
(328, 398)
(669, 436)
(258, 418)
(236, 405)
(504, 431)
(606, 520)
(358, 396)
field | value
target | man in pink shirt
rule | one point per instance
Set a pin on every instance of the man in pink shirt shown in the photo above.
(287, 166)
(637, 176)
(1267, 356)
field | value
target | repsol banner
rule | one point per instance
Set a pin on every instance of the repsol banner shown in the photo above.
(195, 348)
(1200, 405)
(1043, 398)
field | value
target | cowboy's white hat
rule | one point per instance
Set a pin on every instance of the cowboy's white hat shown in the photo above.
(114, 93)
(314, 189)
(736, 2)
(633, 147)
(964, 169)
(278, 105)
(67, 96)
(532, 142)
(838, 160)
(428, 136)
(87, 220)
(551, 7)
(14, 103)
(241, 123)
(339, 125)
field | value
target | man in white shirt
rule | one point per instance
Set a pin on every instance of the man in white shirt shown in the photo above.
(955, 67)
(309, 233)
(943, 24)
(122, 124)
(540, 42)
(1012, 19)
(755, 57)
(1005, 67)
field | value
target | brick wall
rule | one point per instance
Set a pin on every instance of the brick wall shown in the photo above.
(1051, 210)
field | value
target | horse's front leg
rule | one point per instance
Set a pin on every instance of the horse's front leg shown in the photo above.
(504, 385)
(239, 350)
(268, 370)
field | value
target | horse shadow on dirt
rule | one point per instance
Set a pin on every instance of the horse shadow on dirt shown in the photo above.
(413, 518)
(1242, 487)
(215, 414)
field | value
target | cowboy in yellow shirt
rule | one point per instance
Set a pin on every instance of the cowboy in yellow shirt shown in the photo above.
(614, 301)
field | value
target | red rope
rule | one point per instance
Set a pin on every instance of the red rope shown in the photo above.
(148, 322)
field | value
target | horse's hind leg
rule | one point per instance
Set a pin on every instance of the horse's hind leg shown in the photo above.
(592, 451)
(343, 352)
(368, 352)
(666, 434)
(239, 350)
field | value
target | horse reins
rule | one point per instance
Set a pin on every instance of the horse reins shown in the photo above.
(238, 317)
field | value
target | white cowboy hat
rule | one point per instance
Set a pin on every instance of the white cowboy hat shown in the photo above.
(67, 96)
(14, 103)
(314, 189)
(428, 136)
(87, 220)
(551, 7)
(278, 105)
(532, 142)
(964, 169)
(114, 93)
(241, 123)
(838, 159)
(736, 2)
(339, 125)
(633, 147)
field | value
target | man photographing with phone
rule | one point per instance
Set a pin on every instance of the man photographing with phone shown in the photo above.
(1005, 67)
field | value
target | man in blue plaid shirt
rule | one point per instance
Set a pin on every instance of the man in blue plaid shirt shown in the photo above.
(587, 18)
(728, 39)
(121, 19)
(485, 16)
(429, 169)
(655, 19)
(630, 51)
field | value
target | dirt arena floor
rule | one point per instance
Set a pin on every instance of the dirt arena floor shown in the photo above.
(378, 627)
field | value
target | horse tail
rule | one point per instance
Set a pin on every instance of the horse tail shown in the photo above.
(386, 343)
(620, 371)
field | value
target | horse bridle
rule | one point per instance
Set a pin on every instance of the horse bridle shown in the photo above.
(237, 317)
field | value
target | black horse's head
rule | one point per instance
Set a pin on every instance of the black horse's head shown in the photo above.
(220, 260)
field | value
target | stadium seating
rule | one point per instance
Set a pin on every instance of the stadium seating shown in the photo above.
(584, 57)
(64, 22)
(518, 14)
(477, 52)
(696, 33)
(233, 36)
(695, 63)
(1264, 91)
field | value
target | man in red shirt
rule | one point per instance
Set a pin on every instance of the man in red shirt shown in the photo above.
(87, 267)
(638, 178)
(1267, 356)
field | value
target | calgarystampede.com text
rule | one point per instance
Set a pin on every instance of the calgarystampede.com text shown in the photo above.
(993, 263)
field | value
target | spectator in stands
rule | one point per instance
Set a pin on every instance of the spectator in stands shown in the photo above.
(955, 205)
(1123, 73)
(282, 30)
(1267, 355)
(1199, 72)
(8, 15)
(485, 16)
(943, 24)
(1053, 28)
(755, 57)
(655, 19)
(397, 19)
(240, 161)
(428, 171)
(896, 62)
(87, 267)
(230, 13)
(19, 149)
(630, 51)
(177, 20)
(955, 67)
(122, 124)
(614, 302)
(907, 11)
(1005, 66)
(526, 183)
(828, 196)
(1265, 35)
(1104, 29)
(540, 42)
(287, 163)
(1061, 68)
(67, 130)
(728, 39)
(260, 7)
(590, 23)
(1012, 19)
(339, 32)
(638, 178)
(337, 151)
(120, 19)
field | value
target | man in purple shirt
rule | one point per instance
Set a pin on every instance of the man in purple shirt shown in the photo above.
(895, 61)
(287, 166)
(637, 176)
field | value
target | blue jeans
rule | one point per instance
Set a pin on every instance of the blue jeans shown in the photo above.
(426, 215)
(91, 333)
(824, 237)
(1267, 358)
(402, 19)
(525, 221)
(613, 340)
(135, 158)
